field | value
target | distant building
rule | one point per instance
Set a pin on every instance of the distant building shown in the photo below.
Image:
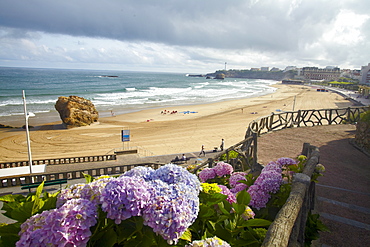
(265, 68)
(314, 73)
(352, 74)
(287, 68)
(275, 69)
(365, 75)
(255, 69)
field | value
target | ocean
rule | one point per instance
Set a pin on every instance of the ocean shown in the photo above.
(117, 91)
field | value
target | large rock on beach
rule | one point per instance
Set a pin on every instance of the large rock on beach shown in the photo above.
(76, 111)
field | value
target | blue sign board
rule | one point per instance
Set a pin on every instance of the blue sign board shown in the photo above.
(125, 135)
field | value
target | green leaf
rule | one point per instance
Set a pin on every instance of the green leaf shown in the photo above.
(243, 197)
(186, 235)
(7, 198)
(38, 203)
(239, 208)
(223, 233)
(205, 211)
(256, 223)
(221, 207)
(212, 199)
(9, 240)
(88, 178)
(108, 239)
(9, 229)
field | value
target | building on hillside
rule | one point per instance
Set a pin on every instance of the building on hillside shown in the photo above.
(274, 69)
(265, 68)
(314, 73)
(365, 75)
(287, 68)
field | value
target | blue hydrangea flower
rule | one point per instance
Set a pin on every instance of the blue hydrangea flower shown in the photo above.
(124, 197)
(174, 204)
(173, 208)
(92, 191)
(72, 192)
(174, 174)
(140, 171)
(68, 225)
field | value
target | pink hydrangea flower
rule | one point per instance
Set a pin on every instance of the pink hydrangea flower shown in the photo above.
(207, 173)
(223, 169)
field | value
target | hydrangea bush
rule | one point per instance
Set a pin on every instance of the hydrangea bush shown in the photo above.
(168, 206)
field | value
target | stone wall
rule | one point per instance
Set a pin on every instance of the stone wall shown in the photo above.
(362, 137)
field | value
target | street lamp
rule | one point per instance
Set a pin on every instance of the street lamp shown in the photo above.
(26, 116)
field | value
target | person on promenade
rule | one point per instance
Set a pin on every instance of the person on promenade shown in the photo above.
(183, 157)
(202, 151)
(222, 145)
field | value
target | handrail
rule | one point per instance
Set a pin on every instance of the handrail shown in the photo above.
(283, 120)
(288, 227)
(76, 174)
(58, 161)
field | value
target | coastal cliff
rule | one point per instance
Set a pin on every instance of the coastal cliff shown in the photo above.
(251, 74)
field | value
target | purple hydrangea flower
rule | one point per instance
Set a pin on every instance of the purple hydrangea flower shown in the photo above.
(72, 192)
(68, 225)
(124, 197)
(272, 166)
(259, 197)
(174, 174)
(140, 171)
(223, 169)
(206, 173)
(92, 191)
(230, 196)
(239, 187)
(269, 181)
(286, 161)
(172, 209)
(235, 177)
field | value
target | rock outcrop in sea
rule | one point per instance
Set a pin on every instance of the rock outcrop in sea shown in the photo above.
(76, 111)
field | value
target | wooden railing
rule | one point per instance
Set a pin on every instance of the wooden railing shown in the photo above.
(288, 227)
(304, 118)
(77, 174)
(247, 149)
(59, 161)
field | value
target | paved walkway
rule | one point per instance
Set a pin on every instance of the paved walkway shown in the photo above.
(351, 95)
(343, 193)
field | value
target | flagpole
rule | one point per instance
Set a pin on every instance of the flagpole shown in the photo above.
(26, 116)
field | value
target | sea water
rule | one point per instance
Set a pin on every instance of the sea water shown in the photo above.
(114, 91)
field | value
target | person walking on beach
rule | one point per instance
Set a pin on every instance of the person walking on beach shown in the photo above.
(202, 151)
(222, 145)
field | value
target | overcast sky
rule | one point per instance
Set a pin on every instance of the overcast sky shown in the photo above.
(192, 36)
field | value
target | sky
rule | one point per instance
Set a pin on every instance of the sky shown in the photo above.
(190, 36)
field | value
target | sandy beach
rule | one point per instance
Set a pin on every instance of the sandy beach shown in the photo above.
(157, 134)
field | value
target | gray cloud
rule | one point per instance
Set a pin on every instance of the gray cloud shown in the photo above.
(267, 26)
